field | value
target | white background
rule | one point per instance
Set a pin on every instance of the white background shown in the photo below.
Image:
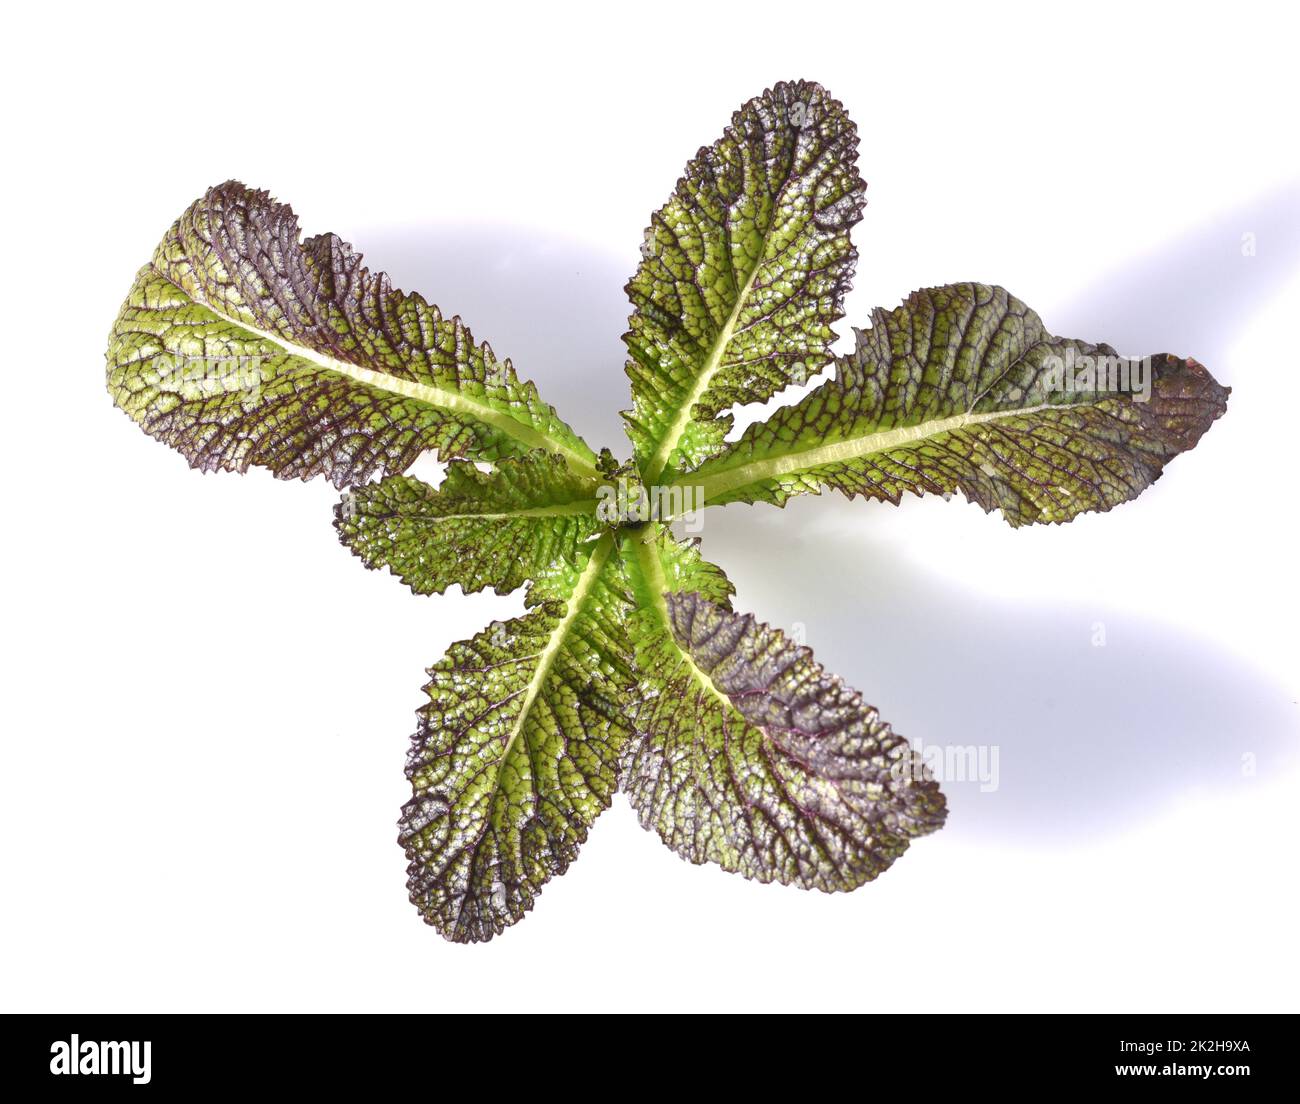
(207, 700)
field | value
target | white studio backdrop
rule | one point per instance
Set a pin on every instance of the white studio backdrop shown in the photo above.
(207, 700)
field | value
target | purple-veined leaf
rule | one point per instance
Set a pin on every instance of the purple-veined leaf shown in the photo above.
(743, 273)
(495, 529)
(962, 389)
(750, 755)
(241, 345)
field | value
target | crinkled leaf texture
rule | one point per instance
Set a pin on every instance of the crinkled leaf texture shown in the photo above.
(521, 744)
(744, 273)
(493, 529)
(240, 345)
(962, 389)
(631, 670)
(517, 750)
(750, 755)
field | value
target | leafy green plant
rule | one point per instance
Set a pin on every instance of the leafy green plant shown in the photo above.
(241, 345)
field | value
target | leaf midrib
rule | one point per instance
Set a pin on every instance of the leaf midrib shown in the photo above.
(852, 448)
(546, 657)
(656, 587)
(659, 460)
(545, 661)
(429, 394)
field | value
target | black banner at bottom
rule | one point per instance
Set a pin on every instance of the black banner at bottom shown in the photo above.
(140, 1053)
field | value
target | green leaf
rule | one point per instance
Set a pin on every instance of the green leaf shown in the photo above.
(749, 755)
(240, 345)
(478, 529)
(517, 751)
(744, 273)
(962, 389)
(681, 566)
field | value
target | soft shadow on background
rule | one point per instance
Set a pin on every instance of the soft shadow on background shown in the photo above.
(1196, 293)
(1089, 738)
